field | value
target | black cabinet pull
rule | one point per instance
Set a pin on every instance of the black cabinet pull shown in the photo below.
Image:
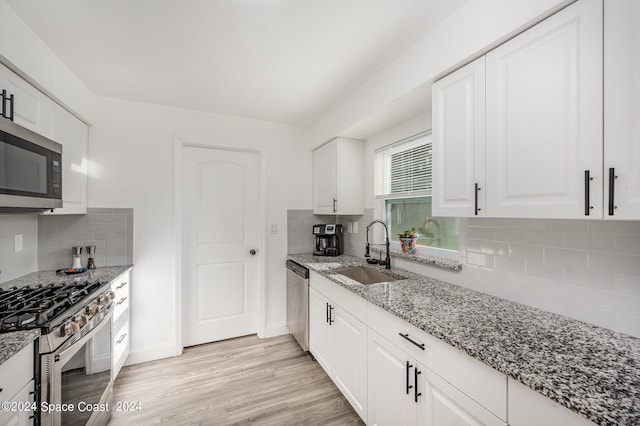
(327, 313)
(331, 320)
(11, 105)
(415, 381)
(408, 385)
(121, 301)
(121, 285)
(477, 188)
(612, 184)
(406, 336)
(587, 201)
(3, 113)
(335, 208)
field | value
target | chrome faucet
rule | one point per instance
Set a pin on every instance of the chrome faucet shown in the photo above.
(387, 261)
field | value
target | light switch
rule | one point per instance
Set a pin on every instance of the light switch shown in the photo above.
(18, 243)
(350, 227)
(274, 228)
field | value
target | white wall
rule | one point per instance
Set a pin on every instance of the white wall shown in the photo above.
(15, 264)
(132, 165)
(27, 55)
(468, 32)
(587, 270)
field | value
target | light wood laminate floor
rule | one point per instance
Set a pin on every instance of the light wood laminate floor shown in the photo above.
(234, 382)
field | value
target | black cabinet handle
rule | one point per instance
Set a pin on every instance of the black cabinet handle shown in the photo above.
(477, 188)
(3, 113)
(335, 208)
(331, 320)
(327, 313)
(408, 385)
(11, 105)
(415, 380)
(406, 336)
(612, 184)
(587, 201)
(121, 285)
(121, 301)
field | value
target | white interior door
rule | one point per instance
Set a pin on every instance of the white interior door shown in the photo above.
(220, 230)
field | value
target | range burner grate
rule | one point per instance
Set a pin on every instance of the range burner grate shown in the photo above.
(39, 306)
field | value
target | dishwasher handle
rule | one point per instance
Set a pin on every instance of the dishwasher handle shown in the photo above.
(298, 269)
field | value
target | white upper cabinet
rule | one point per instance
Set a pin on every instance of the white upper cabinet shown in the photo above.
(458, 156)
(338, 177)
(35, 111)
(544, 118)
(622, 109)
(526, 120)
(29, 107)
(72, 134)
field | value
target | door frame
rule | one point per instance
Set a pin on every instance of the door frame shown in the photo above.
(180, 144)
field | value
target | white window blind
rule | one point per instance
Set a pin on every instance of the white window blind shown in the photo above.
(406, 167)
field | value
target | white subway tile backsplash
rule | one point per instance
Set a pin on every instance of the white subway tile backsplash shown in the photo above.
(629, 324)
(479, 233)
(629, 244)
(615, 227)
(585, 277)
(519, 251)
(605, 262)
(480, 259)
(560, 256)
(627, 284)
(545, 238)
(509, 235)
(590, 314)
(622, 303)
(509, 264)
(527, 224)
(544, 270)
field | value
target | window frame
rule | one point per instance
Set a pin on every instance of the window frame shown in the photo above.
(380, 198)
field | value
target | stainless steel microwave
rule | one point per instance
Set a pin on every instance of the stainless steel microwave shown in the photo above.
(30, 170)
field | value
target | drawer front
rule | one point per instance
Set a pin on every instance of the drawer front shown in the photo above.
(16, 372)
(121, 346)
(120, 286)
(349, 301)
(477, 380)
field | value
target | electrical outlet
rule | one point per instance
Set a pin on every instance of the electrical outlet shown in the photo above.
(355, 227)
(18, 243)
(274, 228)
(350, 227)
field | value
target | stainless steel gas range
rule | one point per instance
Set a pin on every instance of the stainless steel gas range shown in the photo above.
(73, 354)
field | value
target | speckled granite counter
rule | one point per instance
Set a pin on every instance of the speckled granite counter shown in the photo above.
(591, 370)
(12, 343)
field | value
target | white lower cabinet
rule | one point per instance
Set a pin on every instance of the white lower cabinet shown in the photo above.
(17, 388)
(530, 408)
(402, 391)
(120, 335)
(338, 340)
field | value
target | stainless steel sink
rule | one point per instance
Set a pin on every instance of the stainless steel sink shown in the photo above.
(365, 275)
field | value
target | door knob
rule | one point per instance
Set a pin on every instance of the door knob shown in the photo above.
(252, 252)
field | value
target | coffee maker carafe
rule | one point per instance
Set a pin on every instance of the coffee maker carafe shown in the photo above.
(329, 241)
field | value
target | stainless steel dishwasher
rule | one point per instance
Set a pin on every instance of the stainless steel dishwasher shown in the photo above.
(298, 303)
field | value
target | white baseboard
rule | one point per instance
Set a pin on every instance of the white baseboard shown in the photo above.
(151, 354)
(273, 330)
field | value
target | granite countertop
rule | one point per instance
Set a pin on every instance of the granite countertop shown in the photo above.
(591, 370)
(12, 343)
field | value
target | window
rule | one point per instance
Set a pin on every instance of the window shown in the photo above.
(403, 174)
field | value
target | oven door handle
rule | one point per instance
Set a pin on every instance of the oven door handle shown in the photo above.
(70, 350)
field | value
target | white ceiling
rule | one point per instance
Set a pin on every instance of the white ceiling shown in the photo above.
(288, 61)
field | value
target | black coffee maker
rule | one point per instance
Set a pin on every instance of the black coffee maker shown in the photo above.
(329, 241)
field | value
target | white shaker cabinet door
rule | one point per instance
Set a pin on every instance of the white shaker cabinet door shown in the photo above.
(73, 135)
(319, 329)
(391, 376)
(622, 109)
(325, 178)
(30, 106)
(348, 339)
(440, 403)
(459, 142)
(544, 118)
